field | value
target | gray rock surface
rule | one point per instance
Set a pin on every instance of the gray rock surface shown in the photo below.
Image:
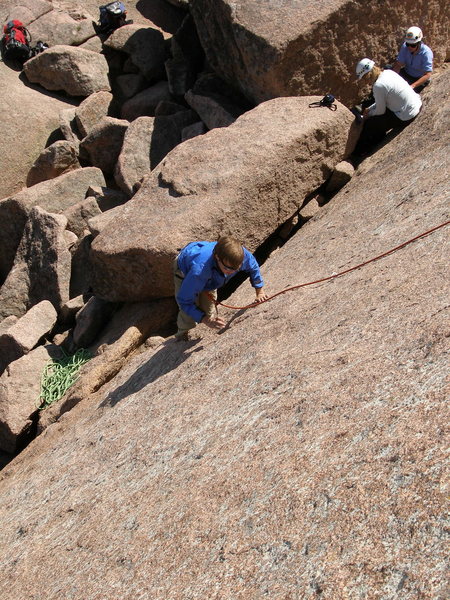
(26, 332)
(284, 48)
(246, 179)
(76, 71)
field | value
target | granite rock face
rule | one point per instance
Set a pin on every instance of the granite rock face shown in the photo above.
(298, 454)
(285, 48)
(245, 179)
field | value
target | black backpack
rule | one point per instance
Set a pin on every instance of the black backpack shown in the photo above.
(112, 16)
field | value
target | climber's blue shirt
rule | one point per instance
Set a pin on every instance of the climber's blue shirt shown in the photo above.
(416, 64)
(201, 273)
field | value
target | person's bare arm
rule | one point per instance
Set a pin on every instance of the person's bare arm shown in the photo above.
(422, 80)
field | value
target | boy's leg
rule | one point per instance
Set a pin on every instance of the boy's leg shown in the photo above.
(184, 321)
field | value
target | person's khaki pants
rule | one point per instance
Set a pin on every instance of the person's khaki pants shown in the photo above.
(203, 301)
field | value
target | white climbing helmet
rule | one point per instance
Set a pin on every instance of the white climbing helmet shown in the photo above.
(364, 66)
(413, 35)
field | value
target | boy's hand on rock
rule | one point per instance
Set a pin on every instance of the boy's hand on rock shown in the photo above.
(261, 295)
(216, 323)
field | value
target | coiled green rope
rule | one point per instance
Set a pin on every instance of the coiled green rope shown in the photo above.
(59, 374)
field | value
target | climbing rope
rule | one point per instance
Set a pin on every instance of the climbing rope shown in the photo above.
(334, 275)
(59, 375)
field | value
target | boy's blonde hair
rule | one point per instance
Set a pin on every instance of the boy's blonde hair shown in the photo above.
(374, 73)
(230, 251)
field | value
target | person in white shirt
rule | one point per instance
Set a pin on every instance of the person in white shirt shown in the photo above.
(396, 104)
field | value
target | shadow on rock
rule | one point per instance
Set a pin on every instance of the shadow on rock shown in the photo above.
(169, 357)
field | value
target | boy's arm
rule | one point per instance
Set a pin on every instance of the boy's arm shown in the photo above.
(252, 267)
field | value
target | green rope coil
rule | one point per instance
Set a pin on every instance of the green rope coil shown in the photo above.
(59, 375)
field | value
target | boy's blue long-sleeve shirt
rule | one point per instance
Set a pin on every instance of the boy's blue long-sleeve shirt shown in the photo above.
(201, 273)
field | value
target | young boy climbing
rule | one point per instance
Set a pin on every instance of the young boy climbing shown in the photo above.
(199, 270)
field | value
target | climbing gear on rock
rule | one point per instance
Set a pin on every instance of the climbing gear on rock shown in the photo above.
(328, 100)
(364, 66)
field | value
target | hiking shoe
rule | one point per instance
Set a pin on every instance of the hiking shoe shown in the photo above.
(182, 336)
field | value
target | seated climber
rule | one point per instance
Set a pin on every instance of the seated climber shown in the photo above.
(415, 60)
(199, 270)
(396, 104)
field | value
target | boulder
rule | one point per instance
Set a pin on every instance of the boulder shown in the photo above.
(191, 131)
(19, 395)
(214, 112)
(54, 195)
(41, 269)
(90, 320)
(76, 71)
(187, 58)
(68, 126)
(106, 198)
(13, 216)
(57, 27)
(69, 309)
(147, 141)
(5, 324)
(167, 131)
(144, 104)
(24, 335)
(134, 159)
(271, 49)
(103, 143)
(341, 175)
(144, 45)
(244, 179)
(57, 159)
(129, 84)
(91, 111)
(81, 272)
(78, 215)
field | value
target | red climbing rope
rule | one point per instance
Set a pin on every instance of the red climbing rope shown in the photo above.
(296, 287)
